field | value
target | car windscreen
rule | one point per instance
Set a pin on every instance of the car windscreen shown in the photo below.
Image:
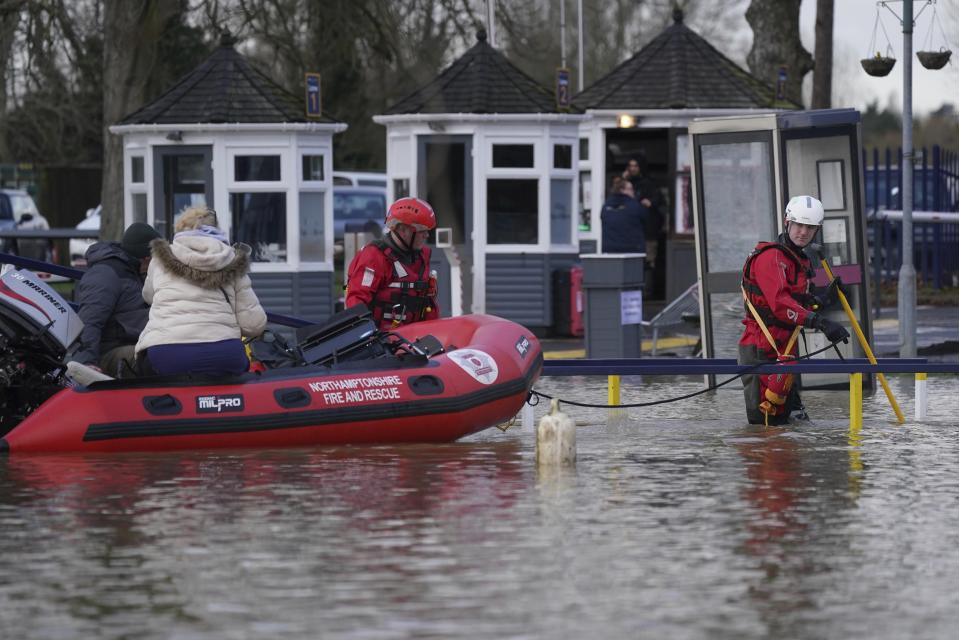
(22, 204)
(359, 205)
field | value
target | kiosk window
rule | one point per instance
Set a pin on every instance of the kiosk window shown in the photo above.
(259, 220)
(835, 241)
(513, 156)
(256, 168)
(312, 168)
(560, 216)
(832, 193)
(513, 212)
(136, 169)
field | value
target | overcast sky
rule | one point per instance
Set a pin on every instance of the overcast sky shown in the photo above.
(854, 20)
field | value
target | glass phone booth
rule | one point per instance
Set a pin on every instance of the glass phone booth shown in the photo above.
(745, 170)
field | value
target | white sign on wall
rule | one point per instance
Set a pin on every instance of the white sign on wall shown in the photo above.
(631, 306)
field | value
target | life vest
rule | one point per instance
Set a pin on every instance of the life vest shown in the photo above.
(798, 284)
(410, 295)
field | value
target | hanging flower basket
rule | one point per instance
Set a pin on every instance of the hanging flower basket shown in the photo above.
(878, 66)
(934, 59)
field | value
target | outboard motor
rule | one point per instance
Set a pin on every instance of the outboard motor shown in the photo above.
(37, 326)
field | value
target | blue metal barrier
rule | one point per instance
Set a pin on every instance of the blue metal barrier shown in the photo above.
(716, 366)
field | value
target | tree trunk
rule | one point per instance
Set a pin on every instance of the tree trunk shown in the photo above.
(131, 33)
(776, 45)
(9, 18)
(822, 76)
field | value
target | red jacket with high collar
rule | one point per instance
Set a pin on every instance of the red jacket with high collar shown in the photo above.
(773, 276)
(381, 278)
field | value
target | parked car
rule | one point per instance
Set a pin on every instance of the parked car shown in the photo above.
(79, 246)
(360, 208)
(18, 210)
(359, 179)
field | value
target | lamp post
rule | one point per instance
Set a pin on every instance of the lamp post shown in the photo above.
(907, 272)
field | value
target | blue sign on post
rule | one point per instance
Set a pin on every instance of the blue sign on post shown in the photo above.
(562, 89)
(781, 84)
(313, 95)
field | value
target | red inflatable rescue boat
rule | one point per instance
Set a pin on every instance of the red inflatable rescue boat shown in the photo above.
(344, 382)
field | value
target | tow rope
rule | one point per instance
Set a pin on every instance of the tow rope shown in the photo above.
(536, 395)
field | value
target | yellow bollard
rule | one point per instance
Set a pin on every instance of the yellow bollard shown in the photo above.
(613, 391)
(855, 401)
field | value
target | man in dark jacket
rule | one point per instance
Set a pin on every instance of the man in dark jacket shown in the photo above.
(110, 296)
(623, 220)
(649, 196)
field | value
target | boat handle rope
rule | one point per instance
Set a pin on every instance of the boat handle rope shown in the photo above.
(534, 395)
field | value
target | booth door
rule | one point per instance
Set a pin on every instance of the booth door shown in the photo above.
(823, 162)
(737, 208)
(445, 180)
(182, 177)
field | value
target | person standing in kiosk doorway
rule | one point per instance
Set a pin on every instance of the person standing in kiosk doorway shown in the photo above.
(779, 301)
(392, 275)
(651, 198)
(623, 220)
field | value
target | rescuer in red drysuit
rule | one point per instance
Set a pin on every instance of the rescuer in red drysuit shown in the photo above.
(777, 290)
(392, 276)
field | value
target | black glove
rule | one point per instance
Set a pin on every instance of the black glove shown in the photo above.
(837, 283)
(834, 331)
(827, 297)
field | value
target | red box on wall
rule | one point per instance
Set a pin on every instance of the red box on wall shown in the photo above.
(576, 301)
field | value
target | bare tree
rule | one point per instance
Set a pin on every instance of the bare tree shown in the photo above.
(614, 30)
(822, 76)
(776, 45)
(131, 35)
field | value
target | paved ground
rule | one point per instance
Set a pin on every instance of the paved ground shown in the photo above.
(937, 337)
(937, 332)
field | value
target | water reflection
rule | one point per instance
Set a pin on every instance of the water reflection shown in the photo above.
(775, 483)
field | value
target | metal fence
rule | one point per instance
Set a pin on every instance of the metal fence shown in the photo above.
(935, 238)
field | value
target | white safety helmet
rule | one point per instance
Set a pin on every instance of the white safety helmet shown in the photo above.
(805, 210)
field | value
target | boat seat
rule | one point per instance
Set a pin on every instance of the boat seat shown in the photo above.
(348, 335)
(84, 375)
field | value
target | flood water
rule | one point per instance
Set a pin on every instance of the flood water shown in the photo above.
(679, 521)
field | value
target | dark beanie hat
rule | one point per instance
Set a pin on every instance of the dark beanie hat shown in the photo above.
(136, 239)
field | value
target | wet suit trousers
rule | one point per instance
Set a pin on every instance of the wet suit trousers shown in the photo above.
(751, 354)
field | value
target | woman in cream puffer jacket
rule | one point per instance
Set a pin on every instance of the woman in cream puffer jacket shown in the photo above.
(202, 303)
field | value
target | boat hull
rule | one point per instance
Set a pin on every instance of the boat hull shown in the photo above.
(482, 380)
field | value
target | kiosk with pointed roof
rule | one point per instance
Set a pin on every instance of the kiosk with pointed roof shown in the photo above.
(228, 137)
(641, 109)
(488, 147)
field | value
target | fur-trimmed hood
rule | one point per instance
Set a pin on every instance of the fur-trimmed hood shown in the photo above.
(205, 261)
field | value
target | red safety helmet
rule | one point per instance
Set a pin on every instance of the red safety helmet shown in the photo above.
(412, 211)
